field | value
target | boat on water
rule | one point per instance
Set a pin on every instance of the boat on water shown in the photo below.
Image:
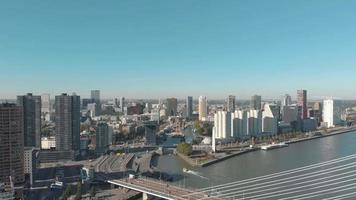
(274, 146)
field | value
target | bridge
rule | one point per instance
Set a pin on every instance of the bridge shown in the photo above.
(331, 180)
(160, 189)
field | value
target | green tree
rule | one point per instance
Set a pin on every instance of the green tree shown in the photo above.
(185, 149)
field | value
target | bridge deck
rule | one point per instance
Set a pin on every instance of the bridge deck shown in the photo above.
(160, 189)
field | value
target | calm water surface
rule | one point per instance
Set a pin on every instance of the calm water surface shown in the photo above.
(261, 162)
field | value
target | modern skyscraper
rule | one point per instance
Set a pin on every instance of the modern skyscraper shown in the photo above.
(172, 106)
(286, 100)
(328, 112)
(270, 119)
(222, 125)
(231, 103)
(32, 119)
(254, 122)
(95, 94)
(151, 128)
(46, 108)
(11, 144)
(203, 108)
(290, 114)
(239, 124)
(122, 104)
(189, 105)
(302, 104)
(45, 103)
(102, 138)
(92, 109)
(67, 122)
(255, 103)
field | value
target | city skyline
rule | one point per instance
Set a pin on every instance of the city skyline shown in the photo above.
(179, 48)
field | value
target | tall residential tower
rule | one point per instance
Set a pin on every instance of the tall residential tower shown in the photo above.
(11, 144)
(302, 104)
(32, 119)
(203, 108)
(67, 122)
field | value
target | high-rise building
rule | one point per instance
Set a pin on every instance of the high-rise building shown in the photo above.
(239, 124)
(286, 100)
(290, 114)
(122, 104)
(32, 119)
(254, 122)
(85, 103)
(302, 103)
(151, 128)
(189, 105)
(317, 112)
(46, 107)
(45, 103)
(95, 94)
(231, 103)
(172, 106)
(203, 108)
(328, 112)
(148, 107)
(222, 125)
(67, 122)
(30, 162)
(11, 144)
(92, 109)
(102, 138)
(255, 103)
(270, 119)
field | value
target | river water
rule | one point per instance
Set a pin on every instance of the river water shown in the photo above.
(261, 162)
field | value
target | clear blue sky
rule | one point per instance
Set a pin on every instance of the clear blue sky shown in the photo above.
(160, 48)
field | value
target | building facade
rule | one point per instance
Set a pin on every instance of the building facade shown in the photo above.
(328, 113)
(67, 121)
(102, 138)
(270, 119)
(203, 108)
(231, 103)
(255, 103)
(11, 144)
(31, 106)
(189, 105)
(286, 100)
(222, 125)
(302, 104)
(172, 107)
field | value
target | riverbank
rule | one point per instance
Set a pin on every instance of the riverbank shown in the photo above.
(222, 156)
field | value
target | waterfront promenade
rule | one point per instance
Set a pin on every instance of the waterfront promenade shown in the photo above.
(233, 150)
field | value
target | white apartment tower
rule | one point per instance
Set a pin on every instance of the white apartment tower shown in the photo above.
(254, 122)
(222, 125)
(328, 112)
(203, 108)
(239, 125)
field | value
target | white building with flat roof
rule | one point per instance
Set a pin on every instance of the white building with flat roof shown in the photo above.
(222, 125)
(239, 124)
(203, 108)
(48, 142)
(328, 113)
